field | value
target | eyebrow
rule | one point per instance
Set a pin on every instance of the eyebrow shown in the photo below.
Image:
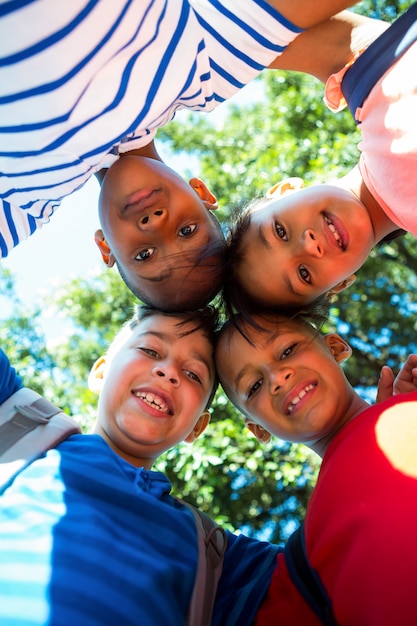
(241, 373)
(262, 237)
(290, 286)
(158, 277)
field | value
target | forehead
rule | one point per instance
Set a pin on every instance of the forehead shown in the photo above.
(183, 281)
(274, 206)
(171, 328)
(259, 339)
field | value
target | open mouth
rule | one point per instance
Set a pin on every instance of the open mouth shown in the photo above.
(154, 401)
(299, 397)
(141, 201)
(337, 236)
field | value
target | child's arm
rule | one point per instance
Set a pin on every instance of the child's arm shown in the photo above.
(9, 380)
(405, 381)
(305, 13)
(326, 48)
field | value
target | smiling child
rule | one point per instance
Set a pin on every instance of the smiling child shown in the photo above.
(300, 244)
(359, 528)
(90, 534)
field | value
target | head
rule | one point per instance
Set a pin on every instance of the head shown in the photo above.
(298, 244)
(286, 378)
(161, 233)
(156, 383)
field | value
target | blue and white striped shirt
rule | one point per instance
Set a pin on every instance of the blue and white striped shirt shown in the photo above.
(83, 81)
(86, 538)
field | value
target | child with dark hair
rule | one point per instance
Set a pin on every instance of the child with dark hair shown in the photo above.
(86, 87)
(89, 533)
(299, 244)
(287, 380)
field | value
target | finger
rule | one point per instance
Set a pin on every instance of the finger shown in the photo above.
(385, 384)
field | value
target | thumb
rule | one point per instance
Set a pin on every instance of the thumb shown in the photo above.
(385, 384)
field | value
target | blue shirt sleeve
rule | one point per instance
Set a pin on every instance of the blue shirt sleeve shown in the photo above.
(9, 380)
(247, 570)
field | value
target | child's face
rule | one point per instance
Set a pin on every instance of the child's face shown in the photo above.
(155, 226)
(155, 388)
(289, 381)
(300, 246)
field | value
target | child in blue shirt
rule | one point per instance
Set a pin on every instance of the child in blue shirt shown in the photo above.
(89, 533)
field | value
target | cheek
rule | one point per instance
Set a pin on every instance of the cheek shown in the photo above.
(195, 397)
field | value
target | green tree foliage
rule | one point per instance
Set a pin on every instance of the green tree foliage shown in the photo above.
(22, 338)
(262, 490)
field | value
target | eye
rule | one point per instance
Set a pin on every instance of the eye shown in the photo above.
(288, 351)
(193, 376)
(153, 353)
(145, 254)
(281, 232)
(254, 388)
(304, 274)
(188, 230)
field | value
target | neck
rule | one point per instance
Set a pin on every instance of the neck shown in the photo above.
(355, 407)
(149, 151)
(125, 453)
(381, 224)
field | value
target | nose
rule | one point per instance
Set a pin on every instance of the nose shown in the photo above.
(278, 376)
(167, 371)
(312, 244)
(152, 218)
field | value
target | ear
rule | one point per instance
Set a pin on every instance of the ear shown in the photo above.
(262, 435)
(201, 189)
(344, 284)
(96, 375)
(338, 347)
(106, 253)
(200, 427)
(288, 185)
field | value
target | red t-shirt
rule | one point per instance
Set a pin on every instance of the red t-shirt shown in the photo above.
(361, 525)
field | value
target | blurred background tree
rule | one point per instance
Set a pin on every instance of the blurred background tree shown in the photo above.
(286, 131)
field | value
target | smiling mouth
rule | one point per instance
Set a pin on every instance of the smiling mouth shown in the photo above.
(156, 402)
(140, 201)
(334, 231)
(298, 398)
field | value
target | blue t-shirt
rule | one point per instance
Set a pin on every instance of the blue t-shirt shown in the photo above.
(86, 538)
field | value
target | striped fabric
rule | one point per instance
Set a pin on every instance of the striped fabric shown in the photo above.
(85, 80)
(86, 538)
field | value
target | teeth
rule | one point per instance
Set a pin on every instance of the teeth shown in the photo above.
(297, 399)
(152, 400)
(334, 231)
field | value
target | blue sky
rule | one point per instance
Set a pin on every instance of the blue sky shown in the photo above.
(61, 249)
